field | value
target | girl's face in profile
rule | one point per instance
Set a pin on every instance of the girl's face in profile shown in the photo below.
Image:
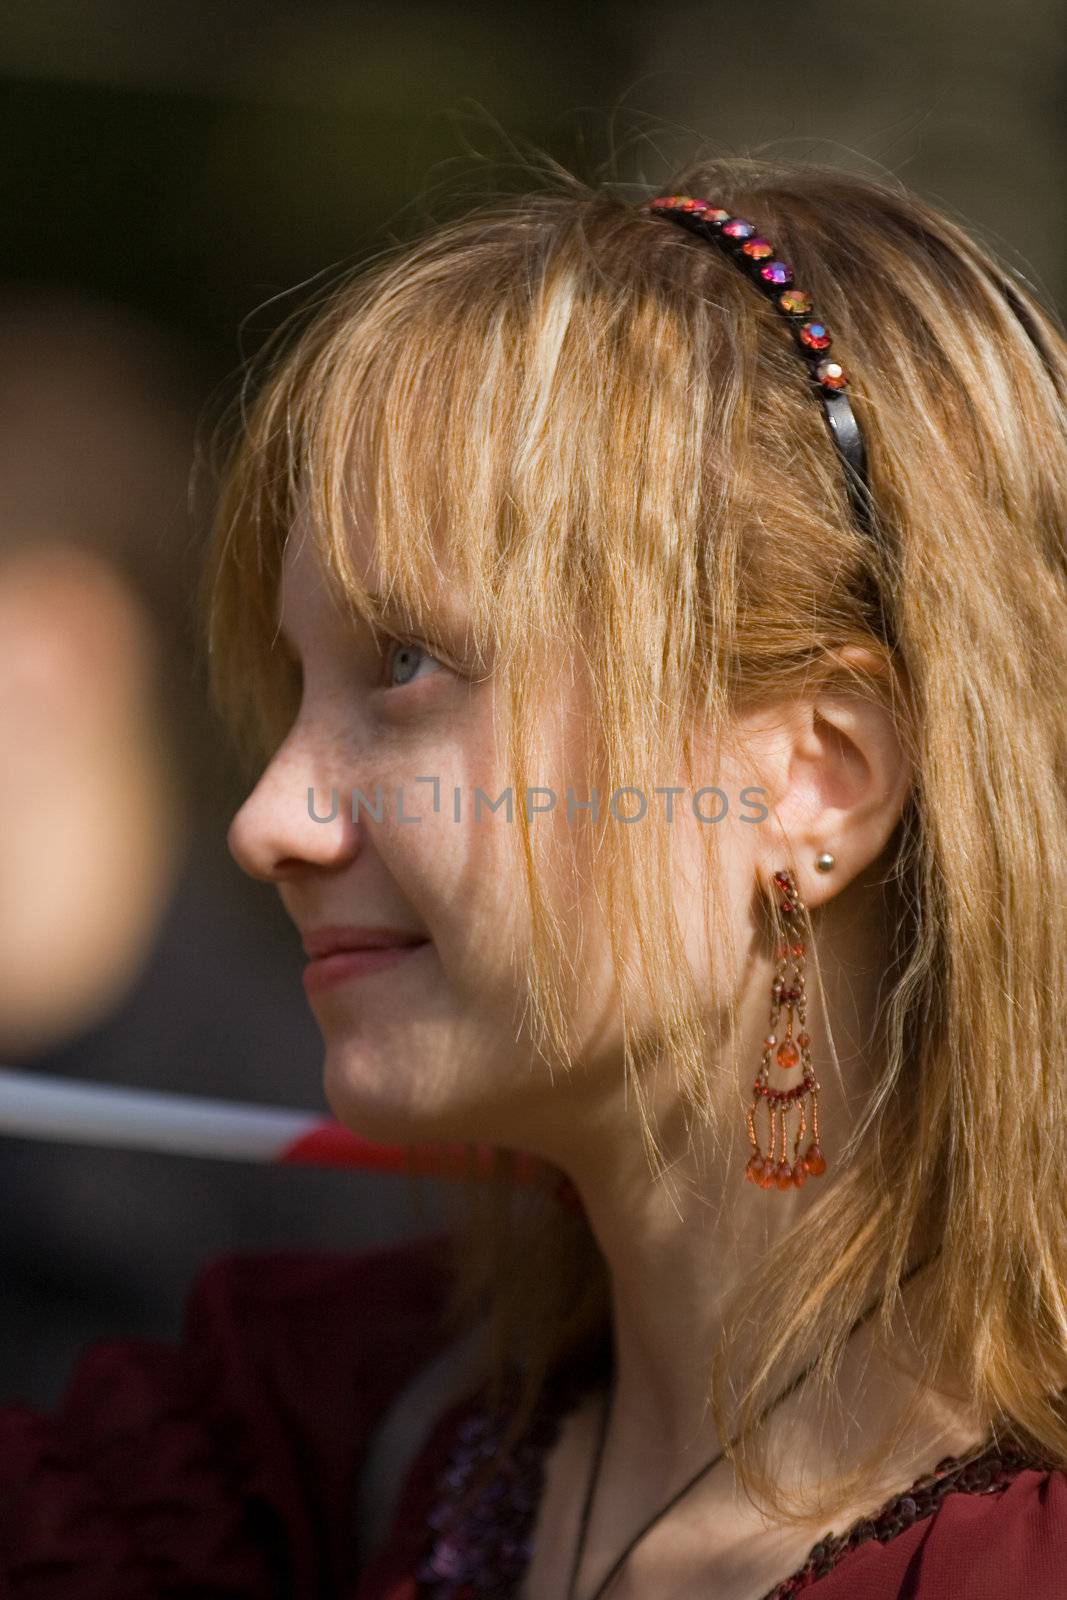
(431, 1044)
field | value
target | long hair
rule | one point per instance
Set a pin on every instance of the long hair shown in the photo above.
(596, 427)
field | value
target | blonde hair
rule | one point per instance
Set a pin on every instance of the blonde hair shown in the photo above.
(597, 428)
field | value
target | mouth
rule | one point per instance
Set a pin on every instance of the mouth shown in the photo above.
(335, 962)
(331, 938)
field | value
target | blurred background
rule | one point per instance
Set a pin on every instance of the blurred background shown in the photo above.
(174, 179)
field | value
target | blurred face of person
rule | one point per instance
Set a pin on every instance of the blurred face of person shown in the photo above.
(91, 823)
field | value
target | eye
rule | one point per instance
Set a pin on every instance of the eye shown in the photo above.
(404, 656)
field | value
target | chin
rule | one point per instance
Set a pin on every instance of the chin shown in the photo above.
(381, 1102)
(389, 1101)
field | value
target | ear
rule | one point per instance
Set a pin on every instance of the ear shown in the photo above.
(836, 774)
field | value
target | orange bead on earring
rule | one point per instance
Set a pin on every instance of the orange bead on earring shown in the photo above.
(789, 1051)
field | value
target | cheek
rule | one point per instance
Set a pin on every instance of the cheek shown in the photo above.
(710, 866)
(713, 887)
(461, 877)
(441, 1051)
(455, 863)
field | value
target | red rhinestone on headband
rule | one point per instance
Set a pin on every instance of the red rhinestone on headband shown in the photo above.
(757, 256)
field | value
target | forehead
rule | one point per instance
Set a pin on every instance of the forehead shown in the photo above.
(304, 586)
(311, 582)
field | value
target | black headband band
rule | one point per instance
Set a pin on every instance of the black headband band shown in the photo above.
(743, 242)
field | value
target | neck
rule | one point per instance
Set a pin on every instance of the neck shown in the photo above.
(675, 1251)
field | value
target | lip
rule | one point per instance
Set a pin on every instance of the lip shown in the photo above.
(332, 937)
(343, 966)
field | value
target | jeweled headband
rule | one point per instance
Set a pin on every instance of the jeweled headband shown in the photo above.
(746, 246)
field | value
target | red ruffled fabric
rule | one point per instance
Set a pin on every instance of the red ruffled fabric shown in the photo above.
(1008, 1545)
(225, 1466)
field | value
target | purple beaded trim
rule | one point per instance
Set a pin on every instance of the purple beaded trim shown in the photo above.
(481, 1544)
(482, 1547)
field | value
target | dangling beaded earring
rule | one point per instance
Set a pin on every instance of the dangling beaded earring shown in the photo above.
(774, 1169)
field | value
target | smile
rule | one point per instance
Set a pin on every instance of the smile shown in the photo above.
(343, 965)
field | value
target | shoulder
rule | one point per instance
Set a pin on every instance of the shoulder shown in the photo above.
(996, 1536)
(231, 1454)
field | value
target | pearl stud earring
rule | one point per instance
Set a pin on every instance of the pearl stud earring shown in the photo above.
(825, 862)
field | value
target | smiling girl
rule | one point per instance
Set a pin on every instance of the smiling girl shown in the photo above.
(761, 486)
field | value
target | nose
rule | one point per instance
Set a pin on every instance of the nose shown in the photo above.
(275, 833)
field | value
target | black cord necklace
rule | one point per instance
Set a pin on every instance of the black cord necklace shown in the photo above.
(702, 1473)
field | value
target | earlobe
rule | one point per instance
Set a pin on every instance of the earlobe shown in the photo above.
(843, 781)
(864, 799)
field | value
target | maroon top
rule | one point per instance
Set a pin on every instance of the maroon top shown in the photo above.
(227, 1464)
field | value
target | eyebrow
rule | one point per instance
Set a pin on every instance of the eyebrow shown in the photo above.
(389, 610)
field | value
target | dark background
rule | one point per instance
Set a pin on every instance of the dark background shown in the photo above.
(194, 161)
(192, 171)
